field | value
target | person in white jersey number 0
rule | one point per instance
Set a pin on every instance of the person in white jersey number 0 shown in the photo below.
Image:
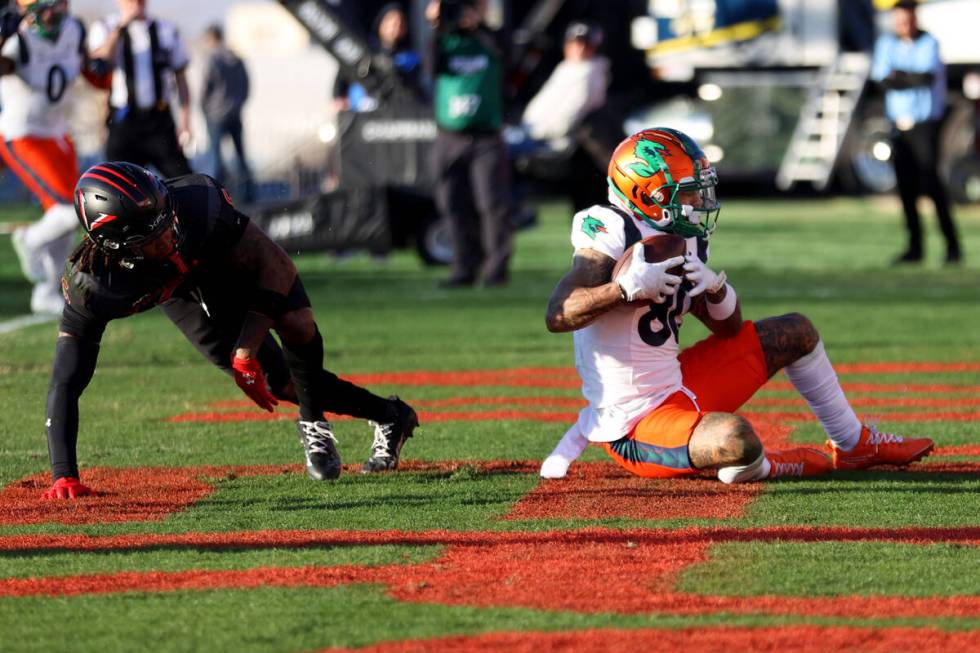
(38, 65)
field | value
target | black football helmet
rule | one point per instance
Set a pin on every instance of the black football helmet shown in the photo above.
(123, 207)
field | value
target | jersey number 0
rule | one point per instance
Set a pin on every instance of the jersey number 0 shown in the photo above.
(57, 83)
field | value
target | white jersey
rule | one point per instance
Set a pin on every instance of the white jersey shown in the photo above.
(35, 99)
(627, 358)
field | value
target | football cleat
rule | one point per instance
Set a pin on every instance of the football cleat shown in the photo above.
(322, 459)
(798, 462)
(390, 437)
(877, 448)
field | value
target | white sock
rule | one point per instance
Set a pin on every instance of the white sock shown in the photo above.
(56, 222)
(814, 377)
(756, 470)
(570, 447)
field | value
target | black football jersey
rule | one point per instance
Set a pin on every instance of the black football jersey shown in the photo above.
(209, 227)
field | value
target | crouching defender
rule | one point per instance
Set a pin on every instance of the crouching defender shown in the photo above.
(662, 412)
(182, 245)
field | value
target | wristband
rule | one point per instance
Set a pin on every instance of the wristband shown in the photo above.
(726, 307)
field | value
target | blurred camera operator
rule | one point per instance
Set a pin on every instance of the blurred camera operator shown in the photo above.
(470, 159)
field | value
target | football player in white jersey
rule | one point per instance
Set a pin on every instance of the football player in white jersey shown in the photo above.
(663, 412)
(38, 65)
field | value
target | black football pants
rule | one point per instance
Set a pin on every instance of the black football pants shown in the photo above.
(214, 330)
(473, 192)
(916, 158)
(147, 138)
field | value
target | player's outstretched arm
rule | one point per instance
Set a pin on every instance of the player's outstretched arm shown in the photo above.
(274, 273)
(265, 263)
(584, 293)
(73, 367)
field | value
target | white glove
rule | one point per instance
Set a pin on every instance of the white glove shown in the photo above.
(651, 281)
(568, 449)
(703, 277)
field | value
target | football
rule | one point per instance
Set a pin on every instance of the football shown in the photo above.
(655, 248)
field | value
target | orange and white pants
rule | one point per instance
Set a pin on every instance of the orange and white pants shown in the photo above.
(719, 375)
(49, 169)
(47, 166)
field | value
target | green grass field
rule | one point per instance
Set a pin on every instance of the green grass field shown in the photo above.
(220, 542)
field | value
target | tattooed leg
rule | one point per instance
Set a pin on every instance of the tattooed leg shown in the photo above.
(792, 343)
(786, 339)
(723, 440)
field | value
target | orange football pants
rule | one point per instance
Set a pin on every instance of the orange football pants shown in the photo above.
(721, 374)
(47, 166)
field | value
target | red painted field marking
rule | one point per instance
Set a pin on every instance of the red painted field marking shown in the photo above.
(894, 402)
(964, 535)
(489, 569)
(778, 385)
(587, 571)
(123, 494)
(424, 416)
(704, 639)
(601, 490)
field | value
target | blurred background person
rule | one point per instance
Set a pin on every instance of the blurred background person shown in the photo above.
(39, 62)
(908, 67)
(148, 58)
(389, 36)
(472, 169)
(223, 96)
(575, 88)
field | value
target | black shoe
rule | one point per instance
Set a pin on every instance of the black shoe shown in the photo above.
(390, 437)
(954, 257)
(456, 282)
(322, 459)
(495, 282)
(908, 257)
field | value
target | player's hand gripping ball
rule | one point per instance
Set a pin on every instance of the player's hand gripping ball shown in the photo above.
(652, 269)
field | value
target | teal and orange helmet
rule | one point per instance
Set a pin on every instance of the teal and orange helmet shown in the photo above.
(663, 178)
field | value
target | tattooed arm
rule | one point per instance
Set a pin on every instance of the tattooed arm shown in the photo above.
(271, 271)
(726, 328)
(584, 293)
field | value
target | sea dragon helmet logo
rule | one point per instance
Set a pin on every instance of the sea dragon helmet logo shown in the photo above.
(652, 161)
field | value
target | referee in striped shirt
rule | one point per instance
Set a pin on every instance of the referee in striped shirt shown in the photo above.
(148, 59)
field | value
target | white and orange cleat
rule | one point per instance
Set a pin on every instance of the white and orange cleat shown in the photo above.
(798, 462)
(877, 448)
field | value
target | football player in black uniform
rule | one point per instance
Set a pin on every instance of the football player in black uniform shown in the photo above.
(182, 245)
